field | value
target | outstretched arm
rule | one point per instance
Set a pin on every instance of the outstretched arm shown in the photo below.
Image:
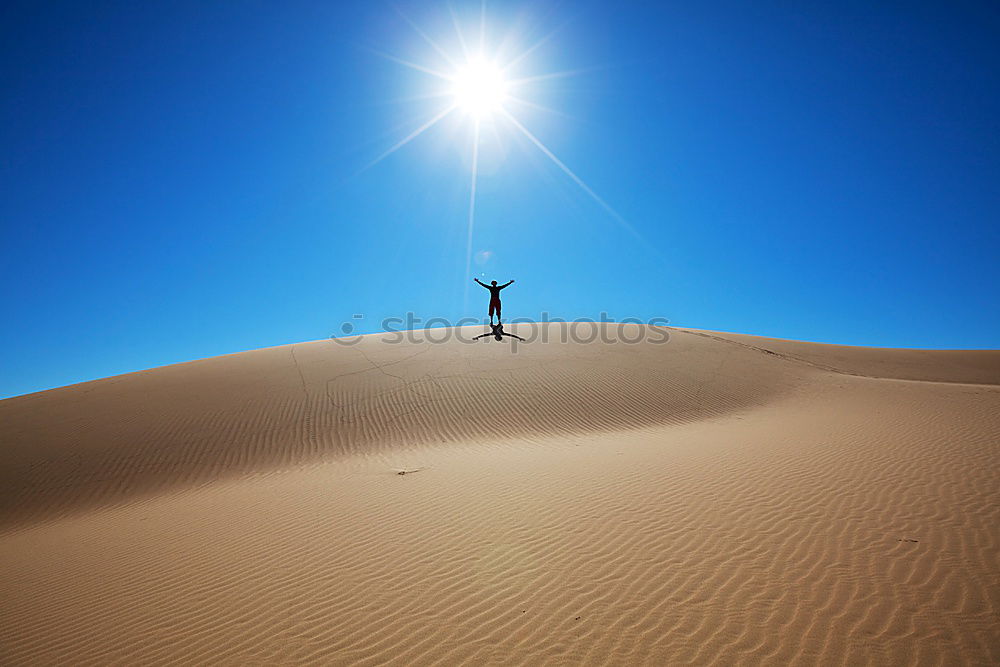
(506, 284)
(479, 281)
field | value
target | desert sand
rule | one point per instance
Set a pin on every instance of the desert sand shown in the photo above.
(718, 498)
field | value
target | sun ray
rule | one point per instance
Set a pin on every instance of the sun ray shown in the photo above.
(389, 134)
(411, 65)
(434, 45)
(410, 137)
(495, 131)
(482, 26)
(458, 31)
(436, 95)
(531, 49)
(472, 211)
(552, 75)
(576, 179)
(539, 107)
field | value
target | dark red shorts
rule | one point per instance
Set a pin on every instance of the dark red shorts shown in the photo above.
(494, 306)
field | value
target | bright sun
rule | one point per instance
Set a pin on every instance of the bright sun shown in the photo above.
(479, 88)
(476, 84)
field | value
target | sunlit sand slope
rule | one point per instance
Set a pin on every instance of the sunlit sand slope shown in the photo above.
(715, 498)
(966, 366)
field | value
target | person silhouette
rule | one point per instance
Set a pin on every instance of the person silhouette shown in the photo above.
(494, 296)
(498, 333)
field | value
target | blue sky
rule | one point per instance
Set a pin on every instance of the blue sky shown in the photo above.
(182, 180)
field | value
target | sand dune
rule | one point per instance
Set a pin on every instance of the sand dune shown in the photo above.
(717, 498)
(965, 366)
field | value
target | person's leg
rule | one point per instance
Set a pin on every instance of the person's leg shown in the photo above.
(493, 307)
(498, 312)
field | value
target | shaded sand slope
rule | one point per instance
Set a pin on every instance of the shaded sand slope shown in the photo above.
(103, 441)
(695, 502)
